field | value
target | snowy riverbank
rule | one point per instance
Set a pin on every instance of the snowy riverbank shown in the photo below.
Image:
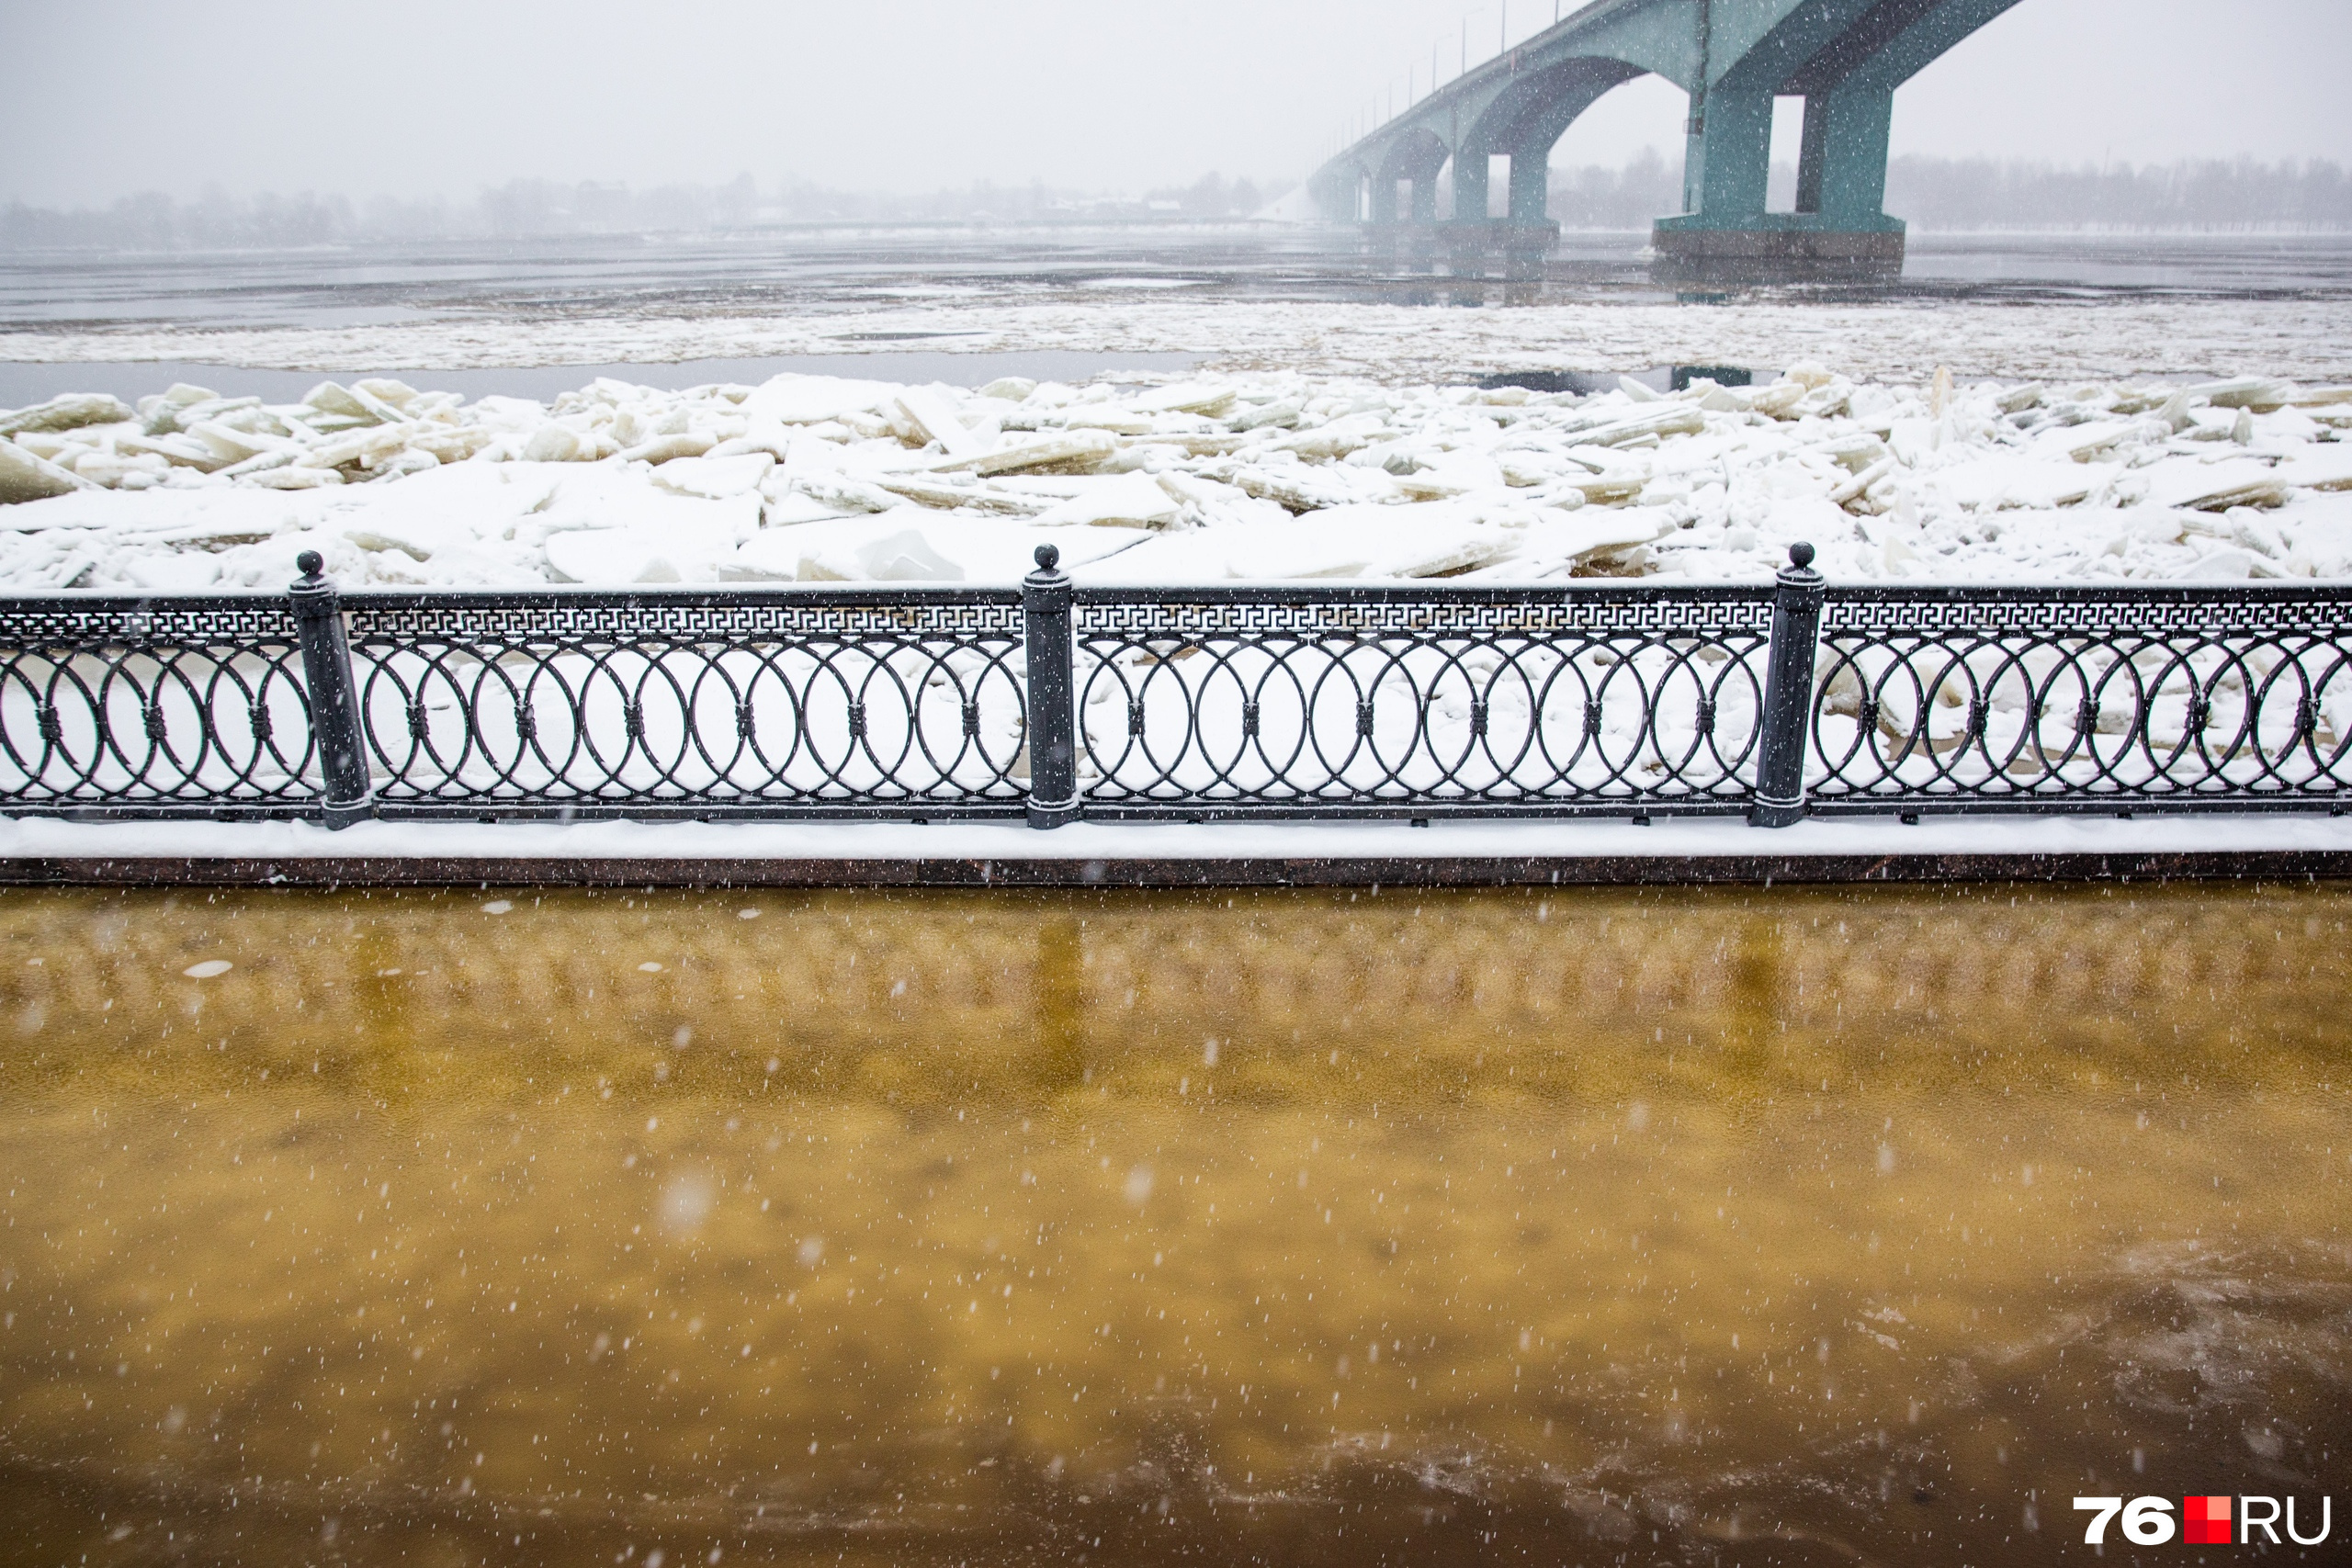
(1223, 477)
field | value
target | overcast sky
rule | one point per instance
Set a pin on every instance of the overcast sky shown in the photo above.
(107, 97)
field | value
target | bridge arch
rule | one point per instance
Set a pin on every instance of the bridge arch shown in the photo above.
(1525, 121)
(1417, 156)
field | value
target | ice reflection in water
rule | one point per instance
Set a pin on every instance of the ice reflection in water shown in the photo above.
(1699, 1226)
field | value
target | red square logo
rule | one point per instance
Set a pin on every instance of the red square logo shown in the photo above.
(2205, 1521)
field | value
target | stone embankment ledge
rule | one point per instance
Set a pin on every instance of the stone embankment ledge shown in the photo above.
(2149, 848)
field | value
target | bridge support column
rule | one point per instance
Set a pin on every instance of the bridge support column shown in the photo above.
(1837, 231)
(1531, 195)
(1841, 174)
(1470, 188)
(1425, 199)
(1728, 157)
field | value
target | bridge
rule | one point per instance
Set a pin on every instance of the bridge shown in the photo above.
(1844, 58)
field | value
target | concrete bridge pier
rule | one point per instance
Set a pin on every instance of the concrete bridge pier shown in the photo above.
(1837, 231)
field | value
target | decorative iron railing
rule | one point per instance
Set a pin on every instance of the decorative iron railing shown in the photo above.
(790, 702)
(1191, 703)
(1278, 701)
(2072, 698)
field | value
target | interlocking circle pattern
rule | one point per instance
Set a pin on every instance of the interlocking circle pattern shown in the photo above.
(175, 707)
(2029, 699)
(1289, 702)
(804, 702)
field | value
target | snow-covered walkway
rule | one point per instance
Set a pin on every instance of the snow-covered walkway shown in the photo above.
(1178, 855)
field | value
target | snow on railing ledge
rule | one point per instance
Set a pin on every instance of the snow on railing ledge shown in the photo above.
(1188, 704)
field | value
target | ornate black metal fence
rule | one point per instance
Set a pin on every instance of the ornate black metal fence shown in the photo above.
(918, 702)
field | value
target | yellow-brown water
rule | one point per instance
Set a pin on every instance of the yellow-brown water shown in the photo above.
(1712, 1226)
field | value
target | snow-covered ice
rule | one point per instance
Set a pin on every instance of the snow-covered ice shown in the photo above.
(2308, 338)
(1234, 476)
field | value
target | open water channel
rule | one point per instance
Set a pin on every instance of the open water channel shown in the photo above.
(1690, 1226)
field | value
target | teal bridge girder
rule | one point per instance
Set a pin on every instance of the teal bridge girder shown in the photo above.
(1733, 58)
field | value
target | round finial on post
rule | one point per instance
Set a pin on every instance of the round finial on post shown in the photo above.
(1048, 556)
(309, 563)
(1801, 555)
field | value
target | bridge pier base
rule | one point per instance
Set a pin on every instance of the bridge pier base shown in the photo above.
(1769, 253)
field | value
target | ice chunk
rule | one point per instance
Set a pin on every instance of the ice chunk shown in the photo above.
(1299, 487)
(2260, 393)
(558, 444)
(399, 395)
(329, 398)
(663, 448)
(787, 507)
(113, 468)
(1999, 480)
(291, 479)
(714, 479)
(178, 395)
(1111, 417)
(859, 550)
(236, 445)
(432, 514)
(2230, 565)
(1199, 398)
(1671, 418)
(926, 492)
(453, 443)
(2199, 485)
(1425, 540)
(2323, 468)
(1334, 440)
(1562, 538)
(934, 417)
(1281, 411)
(1064, 449)
(174, 573)
(71, 412)
(841, 492)
(24, 477)
(608, 496)
(905, 556)
(1008, 388)
(1453, 473)
(813, 400)
(675, 545)
(1132, 499)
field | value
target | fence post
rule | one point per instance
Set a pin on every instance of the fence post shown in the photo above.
(1788, 693)
(334, 703)
(1052, 718)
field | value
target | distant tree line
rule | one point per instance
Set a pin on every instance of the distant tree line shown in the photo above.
(525, 208)
(1941, 194)
(2211, 194)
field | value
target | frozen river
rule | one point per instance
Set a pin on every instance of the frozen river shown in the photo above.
(829, 280)
(1698, 1227)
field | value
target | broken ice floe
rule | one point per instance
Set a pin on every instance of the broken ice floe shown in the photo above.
(1283, 476)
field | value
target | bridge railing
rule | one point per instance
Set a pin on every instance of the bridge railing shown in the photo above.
(920, 703)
